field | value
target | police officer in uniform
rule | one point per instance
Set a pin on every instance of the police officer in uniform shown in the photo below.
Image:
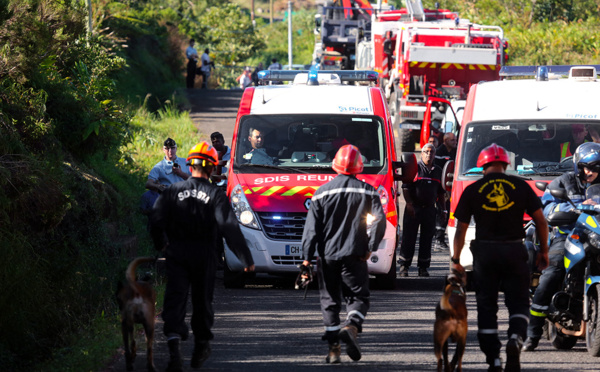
(586, 162)
(345, 223)
(420, 210)
(498, 202)
(185, 223)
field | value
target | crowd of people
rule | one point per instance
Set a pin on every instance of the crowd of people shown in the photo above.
(189, 215)
(247, 78)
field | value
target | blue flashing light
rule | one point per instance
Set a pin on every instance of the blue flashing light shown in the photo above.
(276, 217)
(313, 77)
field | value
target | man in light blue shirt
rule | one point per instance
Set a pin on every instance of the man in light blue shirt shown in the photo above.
(169, 170)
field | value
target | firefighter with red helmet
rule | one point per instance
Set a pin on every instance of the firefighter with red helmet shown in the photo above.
(498, 202)
(185, 222)
(345, 223)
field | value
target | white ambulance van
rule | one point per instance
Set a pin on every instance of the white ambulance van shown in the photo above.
(301, 126)
(534, 119)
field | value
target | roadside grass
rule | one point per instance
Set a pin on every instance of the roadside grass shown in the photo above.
(99, 344)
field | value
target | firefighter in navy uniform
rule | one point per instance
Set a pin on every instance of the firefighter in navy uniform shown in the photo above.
(498, 202)
(586, 163)
(186, 221)
(421, 198)
(345, 223)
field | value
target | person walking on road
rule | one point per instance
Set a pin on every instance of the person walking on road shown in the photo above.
(587, 165)
(421, 198)
(498, 202)
(186, 221)
(345, 223)
(192, 56)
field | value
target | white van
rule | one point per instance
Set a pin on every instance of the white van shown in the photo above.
(531, 118)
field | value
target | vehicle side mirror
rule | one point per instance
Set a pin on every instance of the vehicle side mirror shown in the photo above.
(541, 185)
(448, 175)
(562, 195)
(405, 170)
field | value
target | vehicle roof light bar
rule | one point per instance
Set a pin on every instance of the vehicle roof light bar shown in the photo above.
(523, 71)
(344, 75)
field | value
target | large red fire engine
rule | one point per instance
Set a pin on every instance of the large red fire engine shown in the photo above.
(422, 53)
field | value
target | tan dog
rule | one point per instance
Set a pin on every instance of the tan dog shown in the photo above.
(136, 300)
(451, 322)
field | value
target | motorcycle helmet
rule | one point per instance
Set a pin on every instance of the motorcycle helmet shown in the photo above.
(587, 155)
(202, 153)
(348, 160)
(491, 154)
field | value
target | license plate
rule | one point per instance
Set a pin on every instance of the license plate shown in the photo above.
(410, 126)
(293, 250)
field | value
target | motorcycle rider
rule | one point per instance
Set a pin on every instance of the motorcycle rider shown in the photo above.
(586, 164)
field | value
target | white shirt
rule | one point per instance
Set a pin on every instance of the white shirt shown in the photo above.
(191, 51)
(245, 81)
(205, 63)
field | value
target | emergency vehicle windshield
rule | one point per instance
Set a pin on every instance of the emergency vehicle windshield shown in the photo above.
(542, 148)
(307, 143)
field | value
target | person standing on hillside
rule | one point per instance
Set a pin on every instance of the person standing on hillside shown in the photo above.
(169, 170)
(187, 220)
(207, 64)
(192, 56)
(345, 223)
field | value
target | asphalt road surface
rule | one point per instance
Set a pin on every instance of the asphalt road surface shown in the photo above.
(268, 326)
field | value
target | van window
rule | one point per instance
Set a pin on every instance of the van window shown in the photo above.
(307, 143)
(542, 148)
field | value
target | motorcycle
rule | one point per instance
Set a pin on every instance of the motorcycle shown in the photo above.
(575, 310)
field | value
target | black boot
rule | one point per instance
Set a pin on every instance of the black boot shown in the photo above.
(175, 363)
(201, 353)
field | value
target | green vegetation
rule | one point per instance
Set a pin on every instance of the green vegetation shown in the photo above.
(82, 120)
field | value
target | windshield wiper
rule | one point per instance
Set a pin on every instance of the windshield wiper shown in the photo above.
(472, 172)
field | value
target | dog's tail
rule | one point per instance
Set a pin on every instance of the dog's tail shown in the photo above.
(130, 273)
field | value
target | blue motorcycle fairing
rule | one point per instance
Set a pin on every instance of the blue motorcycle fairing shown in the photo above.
(591, 281)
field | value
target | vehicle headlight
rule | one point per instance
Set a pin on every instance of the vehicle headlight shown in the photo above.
(242, 209)
(594, 240)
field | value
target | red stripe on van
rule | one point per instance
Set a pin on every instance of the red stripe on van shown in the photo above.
(245, 104)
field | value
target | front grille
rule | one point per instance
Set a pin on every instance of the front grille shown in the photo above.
(287, 260)
(284, 225)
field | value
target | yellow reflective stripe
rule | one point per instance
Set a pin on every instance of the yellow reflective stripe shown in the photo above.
(293, 190)
(564, 147)
(588, 281)
(567, 262)
(390, 214)
(459, 67)
(423, 64)
(272, 190)
(538, 314)
(590, 221)
(257, 189)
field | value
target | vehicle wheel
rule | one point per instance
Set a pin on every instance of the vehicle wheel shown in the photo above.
(407, 140)
(560, 341)
(387, 281)
(592, 333)
(233, 279)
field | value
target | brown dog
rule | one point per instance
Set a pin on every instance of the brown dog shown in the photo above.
(451, 322)
(136, 300)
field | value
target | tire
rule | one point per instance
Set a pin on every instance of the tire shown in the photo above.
(592, 333)
(559, 341)
(233, 279)
(387, 281)
(407, 140)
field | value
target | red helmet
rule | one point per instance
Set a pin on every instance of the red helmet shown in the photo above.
(491, 154)
(348, 160)
(202, 151)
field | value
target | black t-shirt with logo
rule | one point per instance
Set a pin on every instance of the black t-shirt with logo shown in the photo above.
(497, 202)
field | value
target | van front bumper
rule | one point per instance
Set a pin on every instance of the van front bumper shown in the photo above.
(281, 257)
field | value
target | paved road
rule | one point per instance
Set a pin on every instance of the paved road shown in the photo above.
(269, 327)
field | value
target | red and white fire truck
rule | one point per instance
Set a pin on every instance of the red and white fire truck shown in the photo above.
(301, 126)
(423, 53)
